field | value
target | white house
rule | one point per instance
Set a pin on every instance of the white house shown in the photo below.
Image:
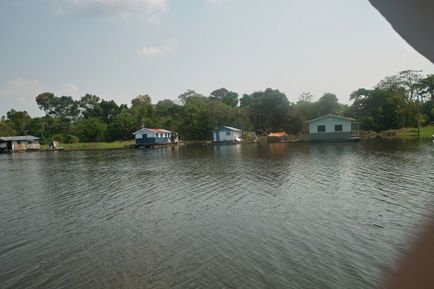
(227, 134)
(333, 127)
(153, 136)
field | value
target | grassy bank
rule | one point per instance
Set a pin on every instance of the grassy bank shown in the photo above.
(97, 145)
(404, 133)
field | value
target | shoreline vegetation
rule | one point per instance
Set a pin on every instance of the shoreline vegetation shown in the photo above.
(94, 145)
(393, 108)
(426, 133)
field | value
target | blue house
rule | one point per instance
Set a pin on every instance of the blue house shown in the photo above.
(154, 136)
(227, 134)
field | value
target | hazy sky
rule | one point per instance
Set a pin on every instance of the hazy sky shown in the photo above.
(118, 49)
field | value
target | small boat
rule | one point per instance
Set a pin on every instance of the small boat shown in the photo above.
(54, 146)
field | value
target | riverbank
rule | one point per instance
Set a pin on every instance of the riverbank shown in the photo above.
(404, 133)
(97, 145)
(426, 132)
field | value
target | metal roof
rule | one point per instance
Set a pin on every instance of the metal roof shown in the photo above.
(19, 137)
(331, 115)
(154, 130)
(229, 128)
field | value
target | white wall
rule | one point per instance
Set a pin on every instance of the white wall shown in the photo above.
(231, 137)
(34, 145)
(330, 123)
(151, 134)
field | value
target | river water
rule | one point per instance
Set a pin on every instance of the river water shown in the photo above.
(333, 215)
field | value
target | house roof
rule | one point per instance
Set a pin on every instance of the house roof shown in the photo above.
(229, 128)
(18, 137)
(154, 130)
(277, 134)
(331, 115)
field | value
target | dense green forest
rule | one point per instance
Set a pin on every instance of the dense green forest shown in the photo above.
(397, 101)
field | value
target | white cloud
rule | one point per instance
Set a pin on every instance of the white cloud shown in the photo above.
(152, 51)
(220, 1)
(20, 94)
(70, 89)
(151, 8)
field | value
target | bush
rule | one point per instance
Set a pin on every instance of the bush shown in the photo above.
(62, 138)
(71, 139)
(90, 130)
(58, 137)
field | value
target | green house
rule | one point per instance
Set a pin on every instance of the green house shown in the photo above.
(333, 127)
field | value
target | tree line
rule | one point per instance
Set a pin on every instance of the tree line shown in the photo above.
(397, 101)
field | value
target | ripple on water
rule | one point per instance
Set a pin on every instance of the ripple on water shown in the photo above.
(250, 216)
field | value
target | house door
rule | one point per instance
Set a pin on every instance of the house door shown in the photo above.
(9, 145)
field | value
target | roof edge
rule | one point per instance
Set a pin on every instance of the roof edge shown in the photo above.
(331, 115)
(153, 130)
(228, 127)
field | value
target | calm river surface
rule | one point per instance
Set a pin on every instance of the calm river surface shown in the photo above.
(334, 215)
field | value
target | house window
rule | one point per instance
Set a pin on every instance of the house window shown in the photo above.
(29, 142)
(228, 133)
(145, 135)
(338, 127)
(321, 128)
(18, 142)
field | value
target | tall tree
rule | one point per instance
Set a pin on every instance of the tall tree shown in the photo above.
(19, 121)
(166, 107)
(122, 126)
(305, 97)
(187, 94)
(6, 128)
(380, 109)
(328, 104)
(142, 111)
(302, 111)
(391, 83)
(90, 106)
(45, 101)
(409, 80)
(269, 110)
(228, 97)
(90, 130)
(427, 86)
(245, 100)
(141, 100)
(426, 91)
(65, 108)
(109, 110)
(167, 114)
(194, 118)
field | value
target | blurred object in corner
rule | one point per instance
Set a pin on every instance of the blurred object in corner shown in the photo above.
(413, 20)
(416, 270)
